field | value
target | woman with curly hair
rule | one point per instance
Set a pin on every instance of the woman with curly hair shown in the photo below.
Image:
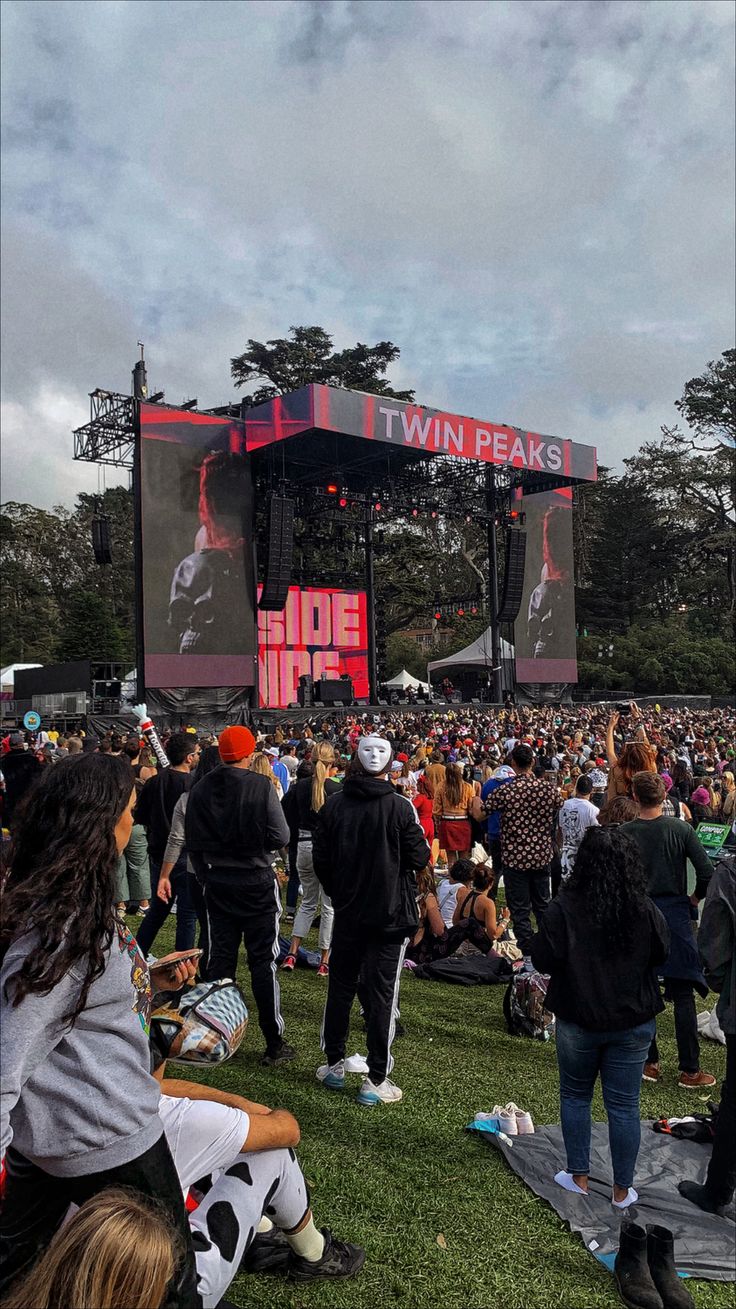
(637, 756)
(79, 1108)
(602, 940)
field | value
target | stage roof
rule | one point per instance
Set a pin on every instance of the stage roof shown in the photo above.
(352, 428)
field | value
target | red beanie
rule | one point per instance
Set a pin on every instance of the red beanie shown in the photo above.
(236, 743)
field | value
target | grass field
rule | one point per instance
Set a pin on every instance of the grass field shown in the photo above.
(396, 1179)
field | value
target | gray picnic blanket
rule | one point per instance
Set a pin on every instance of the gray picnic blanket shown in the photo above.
(705, 1245)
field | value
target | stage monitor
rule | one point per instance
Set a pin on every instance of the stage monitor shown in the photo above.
(544, 633)
(320, 633)
(195, 552)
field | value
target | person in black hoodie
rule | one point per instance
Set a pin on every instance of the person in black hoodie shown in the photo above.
(366, 846)
(602, 940)
(233, 825)
(154, 810)
(21, 770)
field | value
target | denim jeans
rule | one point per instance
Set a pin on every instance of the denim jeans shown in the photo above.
(619, 1057)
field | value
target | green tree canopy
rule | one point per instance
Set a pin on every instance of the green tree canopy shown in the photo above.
(306, 355)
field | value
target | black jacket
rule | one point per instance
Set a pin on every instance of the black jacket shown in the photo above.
(600, 989)
(366, 845)
(233, 823)
(156, 804)
(20, 769)
(297, 804)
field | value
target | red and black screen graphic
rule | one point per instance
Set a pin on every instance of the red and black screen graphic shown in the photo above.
(321, 632)
(196, 519)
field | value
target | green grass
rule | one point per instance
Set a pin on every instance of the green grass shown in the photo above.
(395, 1179)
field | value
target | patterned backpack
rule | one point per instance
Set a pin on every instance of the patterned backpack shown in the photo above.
(523, 1006)
(206, 1023)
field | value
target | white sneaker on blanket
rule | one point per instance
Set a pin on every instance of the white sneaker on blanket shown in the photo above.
(506, 1120)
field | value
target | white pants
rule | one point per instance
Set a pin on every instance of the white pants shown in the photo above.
(225, 1223)
(312, 892)
(205, 1138)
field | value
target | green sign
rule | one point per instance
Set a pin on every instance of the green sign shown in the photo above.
(712, 835)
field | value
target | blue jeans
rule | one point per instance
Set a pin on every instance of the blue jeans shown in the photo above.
(619, 1057)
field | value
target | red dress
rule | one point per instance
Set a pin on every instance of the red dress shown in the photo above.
(423, 806)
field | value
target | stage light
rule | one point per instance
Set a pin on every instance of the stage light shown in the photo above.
(415, 512)
(461, 613)
(433, 513)
(377, 506)
(438, 615)
(513, 513)
(343, 502)
(474, 610)
(332, 488)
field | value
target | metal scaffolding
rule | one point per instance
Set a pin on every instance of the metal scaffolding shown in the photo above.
(109, 436)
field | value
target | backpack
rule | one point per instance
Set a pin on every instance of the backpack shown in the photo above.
(212, 1018)
(470, 970)
(523, 1007)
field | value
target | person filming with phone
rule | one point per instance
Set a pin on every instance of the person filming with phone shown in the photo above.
(637, 755)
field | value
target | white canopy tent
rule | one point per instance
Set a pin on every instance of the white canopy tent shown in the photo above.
(403, 680)
(478, 656)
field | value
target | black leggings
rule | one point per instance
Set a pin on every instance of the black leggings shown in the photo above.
(35, 1204)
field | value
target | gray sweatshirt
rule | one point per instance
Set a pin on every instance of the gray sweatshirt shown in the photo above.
(79, 1100)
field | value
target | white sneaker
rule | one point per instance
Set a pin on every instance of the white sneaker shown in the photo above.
(386, 1093)
(506, 1120)
(332, 1075)
(524, 1122)
(356, 1063)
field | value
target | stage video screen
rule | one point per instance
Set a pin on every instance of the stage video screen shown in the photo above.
(319, 633)
(544, 633)
(198, 577)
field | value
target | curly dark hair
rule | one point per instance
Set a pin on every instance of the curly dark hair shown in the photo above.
(61, 878)
(610, 876)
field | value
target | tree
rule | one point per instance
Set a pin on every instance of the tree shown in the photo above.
(305, 356)
(693, 477)
(89, 630)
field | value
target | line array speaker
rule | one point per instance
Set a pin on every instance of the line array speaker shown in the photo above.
(513, 581)
(280, 553)
(101, 543)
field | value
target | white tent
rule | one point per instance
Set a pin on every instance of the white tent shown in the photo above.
(7, 675)
(478, 655)
(403, 680)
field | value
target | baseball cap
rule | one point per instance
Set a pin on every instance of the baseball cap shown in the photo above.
(236, 743)
(273, 751)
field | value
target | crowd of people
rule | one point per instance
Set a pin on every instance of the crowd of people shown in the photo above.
(564, 838)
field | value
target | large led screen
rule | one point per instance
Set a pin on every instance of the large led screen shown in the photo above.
(320, 633)
(544, 633)
(196, 558)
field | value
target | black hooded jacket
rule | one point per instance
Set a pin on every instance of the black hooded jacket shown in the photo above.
(233, 823)
(367, 845)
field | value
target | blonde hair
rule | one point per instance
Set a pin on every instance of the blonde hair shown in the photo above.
(260, 764)
(118, 1251)
(323, 758)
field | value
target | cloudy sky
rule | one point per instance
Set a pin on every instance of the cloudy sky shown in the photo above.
(533, 200)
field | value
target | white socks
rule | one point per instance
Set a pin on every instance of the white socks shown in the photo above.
(631, 1198)
(309, 1242)
(565, 1181)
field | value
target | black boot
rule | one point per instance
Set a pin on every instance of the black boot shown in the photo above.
(661, 1259)
(631, 1270)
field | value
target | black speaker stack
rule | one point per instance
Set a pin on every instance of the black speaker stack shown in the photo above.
(513, 582)
(277, 575)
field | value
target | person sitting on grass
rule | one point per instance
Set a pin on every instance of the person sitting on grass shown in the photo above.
(474, 902)
(433, 939)
(602, 940)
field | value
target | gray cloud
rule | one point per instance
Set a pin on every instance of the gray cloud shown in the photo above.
(534, 200)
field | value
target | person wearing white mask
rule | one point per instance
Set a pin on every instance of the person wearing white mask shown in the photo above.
(365, 848)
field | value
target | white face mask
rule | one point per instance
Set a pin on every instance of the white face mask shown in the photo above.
(374, 754)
